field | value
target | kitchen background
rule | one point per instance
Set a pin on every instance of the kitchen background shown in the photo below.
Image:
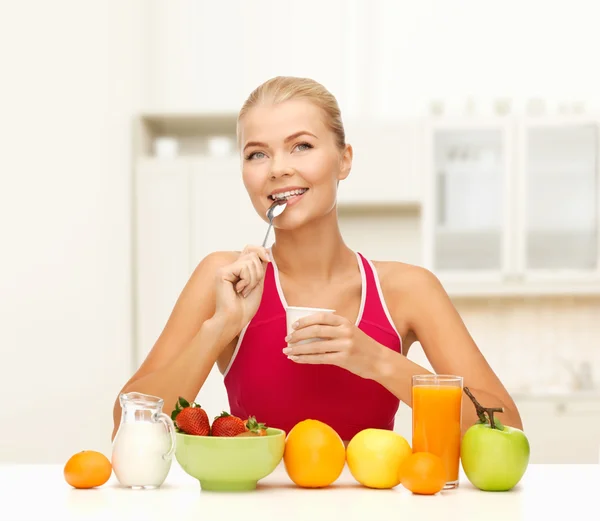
(476, 136)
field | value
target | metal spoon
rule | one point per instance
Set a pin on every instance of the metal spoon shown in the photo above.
(274, 210)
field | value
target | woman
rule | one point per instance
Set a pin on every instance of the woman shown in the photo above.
(232, 310)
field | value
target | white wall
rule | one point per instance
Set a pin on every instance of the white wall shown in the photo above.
(209, 55)
(71, 78)
(385, 58)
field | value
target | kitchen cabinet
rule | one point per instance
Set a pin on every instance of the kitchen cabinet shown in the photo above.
(558, 203)
(512, 205)
(385, 166)
(221, 214)
(469, 200)
(562, 429)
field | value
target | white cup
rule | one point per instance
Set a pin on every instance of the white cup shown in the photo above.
(220, 146)
(166, 147)
(294, 313)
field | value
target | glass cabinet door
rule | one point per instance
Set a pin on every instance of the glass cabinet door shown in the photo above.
(560, 213)
(470, 176)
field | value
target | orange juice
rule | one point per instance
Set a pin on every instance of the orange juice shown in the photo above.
(436, 411)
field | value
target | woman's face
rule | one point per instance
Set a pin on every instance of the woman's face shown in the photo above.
(289, 152)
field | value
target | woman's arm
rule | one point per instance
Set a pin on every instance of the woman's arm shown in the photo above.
(420, 306)
(189, 345)
(429, 314)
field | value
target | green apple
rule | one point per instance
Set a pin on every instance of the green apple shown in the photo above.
(493, 456)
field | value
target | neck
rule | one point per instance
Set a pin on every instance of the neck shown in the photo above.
(316, 249)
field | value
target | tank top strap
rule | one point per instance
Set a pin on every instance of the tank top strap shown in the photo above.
(270, 304)
(376, 310)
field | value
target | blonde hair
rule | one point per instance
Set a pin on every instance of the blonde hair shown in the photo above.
(284, 88)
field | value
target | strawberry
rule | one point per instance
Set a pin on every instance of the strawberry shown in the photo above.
(247, 434)
(227, 425)
(190, 419)
(258, 429)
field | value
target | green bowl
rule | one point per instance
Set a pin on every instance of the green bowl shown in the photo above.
(230, 464)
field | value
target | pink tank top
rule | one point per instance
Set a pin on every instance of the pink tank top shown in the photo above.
(261, 381)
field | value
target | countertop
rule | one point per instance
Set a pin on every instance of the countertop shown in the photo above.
(39, 493)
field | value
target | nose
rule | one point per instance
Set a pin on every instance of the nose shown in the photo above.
(279, 168)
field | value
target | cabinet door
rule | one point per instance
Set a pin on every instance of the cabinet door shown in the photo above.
(384, 165)
(222, 215)
(467, 214)
(162, 224)
(559, 194)
(552, 427)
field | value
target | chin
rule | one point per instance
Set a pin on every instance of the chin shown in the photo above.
(291, 224)
(297, 218)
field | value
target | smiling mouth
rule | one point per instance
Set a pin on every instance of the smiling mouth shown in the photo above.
(283, 196)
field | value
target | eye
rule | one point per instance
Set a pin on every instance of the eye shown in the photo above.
(255, 155)
(303, 146)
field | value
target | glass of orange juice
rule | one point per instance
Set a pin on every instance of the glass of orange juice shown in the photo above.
(436, 419)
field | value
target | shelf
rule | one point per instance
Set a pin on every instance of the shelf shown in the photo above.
(194, 133)
(377, 208)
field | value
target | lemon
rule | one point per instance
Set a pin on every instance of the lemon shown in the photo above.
(374, 457)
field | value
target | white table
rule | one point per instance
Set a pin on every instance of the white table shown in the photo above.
(39, 493)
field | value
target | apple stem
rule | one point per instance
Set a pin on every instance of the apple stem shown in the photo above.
(482, 411)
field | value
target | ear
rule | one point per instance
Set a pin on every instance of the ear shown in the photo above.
(345, 162)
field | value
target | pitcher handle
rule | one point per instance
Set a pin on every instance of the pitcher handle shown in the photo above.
(166, 419)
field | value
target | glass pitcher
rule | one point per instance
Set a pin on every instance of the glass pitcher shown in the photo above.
(143, 447)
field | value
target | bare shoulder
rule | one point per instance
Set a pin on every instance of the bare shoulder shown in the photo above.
(216, 260)
(199, 282)
(401, 279)
(412, 293)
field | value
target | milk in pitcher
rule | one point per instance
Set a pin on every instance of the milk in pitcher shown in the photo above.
(145, 442)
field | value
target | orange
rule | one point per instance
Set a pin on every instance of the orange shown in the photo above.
(314, 454)
(87, 469)
(423, 473)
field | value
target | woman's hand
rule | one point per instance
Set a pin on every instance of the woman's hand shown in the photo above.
(340, 343)
(239, 286)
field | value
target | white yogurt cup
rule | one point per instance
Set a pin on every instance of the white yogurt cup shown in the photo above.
(294, 313)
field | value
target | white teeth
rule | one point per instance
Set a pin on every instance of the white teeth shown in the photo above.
(285, 195)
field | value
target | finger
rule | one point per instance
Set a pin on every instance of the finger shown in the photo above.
(244, 277)
(231, 273)
(263, 253)
(314, 331)
(247, 250)
(260, 269)
(321, 358)
(330, 319)
(253, 274)
(313, 348)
